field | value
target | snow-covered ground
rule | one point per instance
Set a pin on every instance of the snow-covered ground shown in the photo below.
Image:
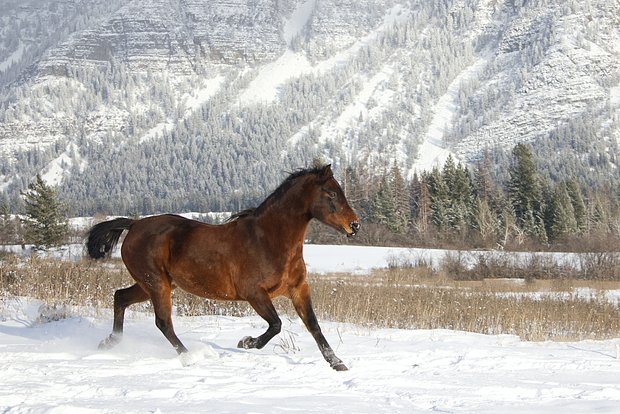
(55, 367)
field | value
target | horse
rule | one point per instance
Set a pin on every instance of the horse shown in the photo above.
(255, 256)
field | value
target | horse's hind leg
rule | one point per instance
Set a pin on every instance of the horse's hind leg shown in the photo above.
(264, 307)
(122, 299)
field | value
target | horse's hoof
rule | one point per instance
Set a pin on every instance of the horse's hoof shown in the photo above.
(247, 343)
(109, 342)
(340, 367)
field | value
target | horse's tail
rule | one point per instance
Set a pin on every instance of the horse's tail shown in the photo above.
(104, 236)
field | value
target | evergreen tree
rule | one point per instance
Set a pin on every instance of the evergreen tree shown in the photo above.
(460, 204)
(383, 209)
(597, 216)
(525, 192)
(579, 207)
(45, 221)
(561, 216)
(352, 187)
(400, 197)
(420, 203)
(438, 192)
(483, 180)
(9, 226)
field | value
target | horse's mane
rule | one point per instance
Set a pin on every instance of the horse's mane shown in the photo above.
(277, 193)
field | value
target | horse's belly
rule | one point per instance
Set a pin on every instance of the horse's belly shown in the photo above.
(206, 285)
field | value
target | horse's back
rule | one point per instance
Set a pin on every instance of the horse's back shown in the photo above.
(150, 237)
(195, 256)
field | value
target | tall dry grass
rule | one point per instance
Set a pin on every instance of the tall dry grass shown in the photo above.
(401, 298)
(413, 298)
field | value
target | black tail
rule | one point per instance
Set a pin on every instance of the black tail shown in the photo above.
(104, 236)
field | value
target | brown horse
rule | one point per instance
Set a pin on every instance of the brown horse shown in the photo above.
(256, 256)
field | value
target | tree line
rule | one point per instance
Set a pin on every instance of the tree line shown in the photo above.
(473, 207)
(452, 206)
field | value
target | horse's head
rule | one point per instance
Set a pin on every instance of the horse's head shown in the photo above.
(330, 206)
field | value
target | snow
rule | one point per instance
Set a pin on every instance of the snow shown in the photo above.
(372, 89)
(264, 87)
(14, 57)
(300, 17)
(190, 102)
(358, 260)
(55, 366)
(5, 182)
(55, 171)
(614, 96)
(361, 260)
(432, 152)
(197, 98)
(157, 131)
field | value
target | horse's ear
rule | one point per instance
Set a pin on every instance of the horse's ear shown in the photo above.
(326, 173)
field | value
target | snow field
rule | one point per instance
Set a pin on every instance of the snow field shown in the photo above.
(56, 368)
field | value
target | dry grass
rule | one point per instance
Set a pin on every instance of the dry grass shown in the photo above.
(540, 310)
(417, 298)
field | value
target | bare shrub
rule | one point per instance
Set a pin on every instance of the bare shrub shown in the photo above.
(455, 267)
(601, 265)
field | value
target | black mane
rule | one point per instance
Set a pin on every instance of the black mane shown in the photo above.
(277, 193)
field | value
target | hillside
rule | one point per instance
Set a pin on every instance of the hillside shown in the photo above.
(146, 106)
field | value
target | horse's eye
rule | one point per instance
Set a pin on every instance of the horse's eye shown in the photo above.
(331, 194)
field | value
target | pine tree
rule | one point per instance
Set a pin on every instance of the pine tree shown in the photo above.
(438, 192)
(460, 199)
(9, 226)
(525, 192)
(562, 218)
(420, 203)
(352, 186)
(383, 209)
(579, 207)
(45, 221)
(483, 179)
(598, 216)
(400, 197)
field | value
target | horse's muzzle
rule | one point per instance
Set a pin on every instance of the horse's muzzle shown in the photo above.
(355, 227)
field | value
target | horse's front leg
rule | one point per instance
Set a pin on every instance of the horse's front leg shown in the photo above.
(300, 296)
(262, 304)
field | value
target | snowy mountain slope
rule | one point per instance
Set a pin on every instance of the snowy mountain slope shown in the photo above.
(355, 82)
(568, 75)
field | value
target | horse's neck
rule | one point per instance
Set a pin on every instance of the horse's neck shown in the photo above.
(289, 217)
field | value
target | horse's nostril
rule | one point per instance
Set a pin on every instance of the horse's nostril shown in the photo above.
(355, 226)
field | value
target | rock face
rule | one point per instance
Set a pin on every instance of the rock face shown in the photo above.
(236, 31)
(156, 34)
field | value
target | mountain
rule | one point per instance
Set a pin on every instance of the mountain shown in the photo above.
(169, 105)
